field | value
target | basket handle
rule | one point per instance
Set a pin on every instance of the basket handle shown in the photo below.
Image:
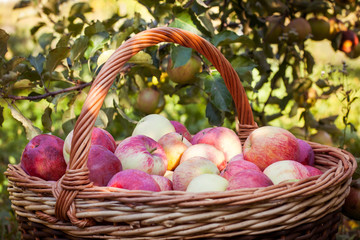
(76, 178)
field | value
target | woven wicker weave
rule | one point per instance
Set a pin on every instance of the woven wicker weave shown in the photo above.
(74, 209)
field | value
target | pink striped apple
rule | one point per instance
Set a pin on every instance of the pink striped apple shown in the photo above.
(142, 153)
(313, 170)
(224, 139)
(164, 183)
(174, 145)
(207, 151)
(269, 144)
(190, 169)
(249, 178)
(133, 179)
(286, 170)
(180, 128)
(235, 166)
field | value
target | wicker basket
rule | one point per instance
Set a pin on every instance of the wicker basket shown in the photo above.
(74, 209)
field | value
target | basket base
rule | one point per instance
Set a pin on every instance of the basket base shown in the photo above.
(322, 229)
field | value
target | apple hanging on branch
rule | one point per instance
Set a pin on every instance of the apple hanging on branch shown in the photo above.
(184, 74)
(150, 100)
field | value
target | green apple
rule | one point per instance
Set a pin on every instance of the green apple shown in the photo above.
(184, 74)
(150, 101)
(154, 126)
(207, 183)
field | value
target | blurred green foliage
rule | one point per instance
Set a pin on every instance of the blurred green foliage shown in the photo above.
(47, 65)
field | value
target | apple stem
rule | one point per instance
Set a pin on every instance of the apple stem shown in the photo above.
(152, 150)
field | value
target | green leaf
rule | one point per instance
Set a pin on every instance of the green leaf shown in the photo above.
(101, 120)
(37, 63)
(58, 98)
(1, 115)
(218, 93)
(51, 6)
(141, 58)
(79, 8)
(46, 119)
(79, 48)
(226, 37)
(45, 40)
(184, 21)
(97, 27)
(104, 56)
(75, 28)
(214, 116)
(180, 55)
(4, 37)
(31, 130)
(97, 41)
(244, 66)
(64, 41)
(55, 56)
(206, 22)
(69, 118)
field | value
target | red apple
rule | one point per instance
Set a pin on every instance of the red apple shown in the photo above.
(190, 169)
(164, 183)
(206, 151)
(313, 170)
(349, 40)
(98, 137)
(306, 153)
(142, 153)
(248, 178)
(102, 165)
(174, 145)
(207, 183)
(184, 74)
(269, 144)
(224, 139)
(180, 128)
(298, 30)
(235, 166)
(237, 157)
(43, 157)
(286, 170)
(199, 135)
(351, 207)
(134, 179)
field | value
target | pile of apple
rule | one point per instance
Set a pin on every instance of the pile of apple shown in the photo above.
(162, 155)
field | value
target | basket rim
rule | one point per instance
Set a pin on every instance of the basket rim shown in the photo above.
(338, 173)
